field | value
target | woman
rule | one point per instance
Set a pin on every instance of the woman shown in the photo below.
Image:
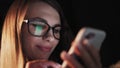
(34, 34)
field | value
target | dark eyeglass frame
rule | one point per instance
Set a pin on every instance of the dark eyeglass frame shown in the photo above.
(27, 21)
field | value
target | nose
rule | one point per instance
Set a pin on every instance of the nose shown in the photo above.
(49, 36)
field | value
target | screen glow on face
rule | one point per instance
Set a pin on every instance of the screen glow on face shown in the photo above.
(39, 27)
(38, 30)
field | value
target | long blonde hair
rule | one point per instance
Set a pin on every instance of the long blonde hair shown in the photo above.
(11, 51)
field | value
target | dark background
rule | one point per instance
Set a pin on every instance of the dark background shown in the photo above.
(102, 14)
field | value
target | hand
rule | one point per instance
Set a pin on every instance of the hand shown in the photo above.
(87, 53)
(42, 64)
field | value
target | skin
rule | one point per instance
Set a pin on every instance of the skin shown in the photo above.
(40, 47)
(87, 53)
(39, 58)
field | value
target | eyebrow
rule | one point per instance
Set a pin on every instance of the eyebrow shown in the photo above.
(35, 18)
(43, 20)
(56, 25)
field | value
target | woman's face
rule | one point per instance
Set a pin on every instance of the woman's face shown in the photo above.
(39, 47)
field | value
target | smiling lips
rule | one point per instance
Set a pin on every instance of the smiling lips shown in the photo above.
(44, 48)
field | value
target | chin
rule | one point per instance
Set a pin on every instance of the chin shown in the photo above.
(43, 57)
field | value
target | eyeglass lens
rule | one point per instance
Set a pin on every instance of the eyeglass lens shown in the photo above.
(39, 28)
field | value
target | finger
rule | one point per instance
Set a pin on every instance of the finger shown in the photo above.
(71, 61)
(94, 53)
(33, 64)
(42, 64)
(52, 64)
(85, 56)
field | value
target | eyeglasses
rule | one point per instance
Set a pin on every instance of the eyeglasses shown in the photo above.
(39, 27)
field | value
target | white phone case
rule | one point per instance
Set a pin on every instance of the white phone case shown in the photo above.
(95, 37)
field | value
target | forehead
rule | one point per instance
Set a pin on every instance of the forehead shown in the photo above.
(43, 10)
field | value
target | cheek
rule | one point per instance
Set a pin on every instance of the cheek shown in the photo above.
(26, 39)
(55, 43)
(24, 35)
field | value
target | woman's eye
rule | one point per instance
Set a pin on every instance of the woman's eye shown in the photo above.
(56, 31)
(37, 25)
(34, 25)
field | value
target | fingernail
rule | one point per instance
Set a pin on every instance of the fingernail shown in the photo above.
(86, 42)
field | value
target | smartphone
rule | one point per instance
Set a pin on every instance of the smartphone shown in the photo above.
(94, 36)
